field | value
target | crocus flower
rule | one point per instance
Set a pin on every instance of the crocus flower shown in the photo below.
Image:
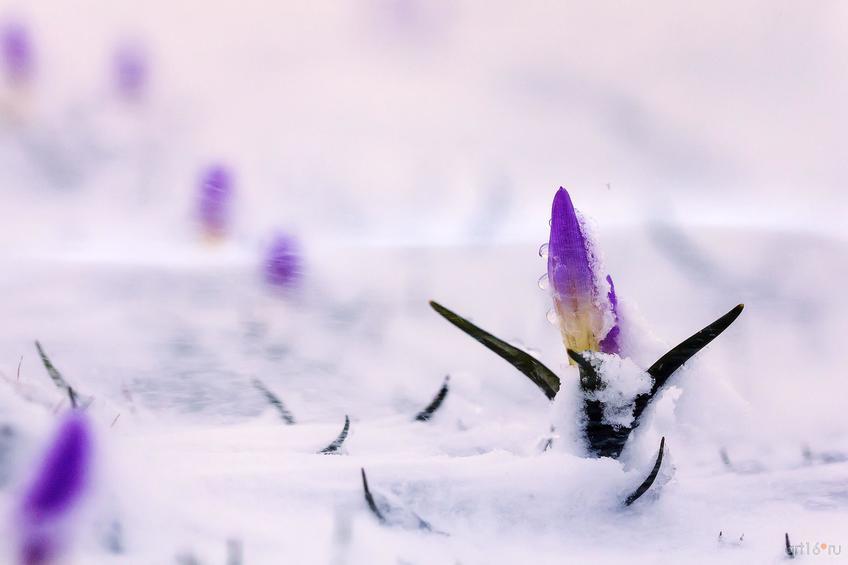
(56, 490)
(587, 317)
(283, 262)
(215, 200)
(130, 67)
(610, 343)
(18, 59)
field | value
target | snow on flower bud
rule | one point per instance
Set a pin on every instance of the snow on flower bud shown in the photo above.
(18, 59)
(56, 490)
(586, 314)
(283, 262)
(215, 200)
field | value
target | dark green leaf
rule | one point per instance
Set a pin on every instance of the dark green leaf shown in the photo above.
(431, 408)
(646, 484)
(603, 439)
(274, 401)
(541, 376)
(394, 516)
(56, 376)
(680, 354)
(369, 498)
(337, 443)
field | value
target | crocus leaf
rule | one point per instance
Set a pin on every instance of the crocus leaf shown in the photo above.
(274, 401)
(369, 498)
(235, 552)
(389, 515)
(725, 458)
(666, 365)
(646, 484)
(603, 439)
(337, 443)
(431, 408)
(589, 378)
(531, 367)
(56, 376)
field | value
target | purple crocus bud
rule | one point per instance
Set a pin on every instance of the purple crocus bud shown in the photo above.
(283, 264)
(56, 490)
(18, 59)
(215, 200)
(130, 67)
(610, 342)
(585, 314)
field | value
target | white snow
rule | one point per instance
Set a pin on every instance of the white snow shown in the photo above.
(622, 381)
(414, 147)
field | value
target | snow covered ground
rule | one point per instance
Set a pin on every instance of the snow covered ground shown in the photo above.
(414, 148)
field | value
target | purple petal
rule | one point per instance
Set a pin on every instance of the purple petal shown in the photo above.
(569, 271)
(283, 262)
(63, 475)
(130, 68)
(583, 313)
(37, 548)
(17, 52)
(216, 193)
(610, 343)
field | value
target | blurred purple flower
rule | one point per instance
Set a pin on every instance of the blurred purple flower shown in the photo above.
(130, 67)
(215, 200)
(18, 58)
(283, 262)
(586, 317)
(57, 488)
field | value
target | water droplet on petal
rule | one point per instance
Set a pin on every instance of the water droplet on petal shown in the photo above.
(543, 251)
(543, 282)
(550, 222)
(552, 316)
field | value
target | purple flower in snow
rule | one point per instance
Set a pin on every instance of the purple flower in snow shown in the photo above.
(610, 342)
(130, 67)
(18, 59)
(587, 316)
(283, 264)
(215, 200)
(55, 491)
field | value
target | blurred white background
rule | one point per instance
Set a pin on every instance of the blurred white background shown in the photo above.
(405, 121)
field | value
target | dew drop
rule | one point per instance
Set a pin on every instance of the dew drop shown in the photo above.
(552, 316)
(543, 251)
(543, 282)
